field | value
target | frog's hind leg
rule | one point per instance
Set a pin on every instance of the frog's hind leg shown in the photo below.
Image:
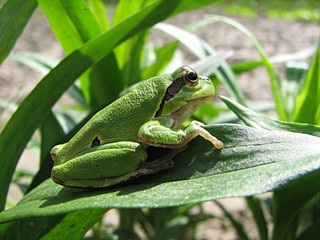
(145, 168)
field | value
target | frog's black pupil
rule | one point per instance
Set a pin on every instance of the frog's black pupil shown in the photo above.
(192, 76)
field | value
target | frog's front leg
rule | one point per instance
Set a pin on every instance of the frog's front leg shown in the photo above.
(159, 132)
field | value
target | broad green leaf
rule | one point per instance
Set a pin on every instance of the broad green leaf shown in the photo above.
(288, 201)
(307, 107)
(14, 15)
(252, 119)
(28, 117)
(30, 229)
(253, 161)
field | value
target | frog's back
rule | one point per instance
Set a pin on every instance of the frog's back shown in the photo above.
(121, 120)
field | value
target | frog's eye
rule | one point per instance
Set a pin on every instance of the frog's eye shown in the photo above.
(191, 78)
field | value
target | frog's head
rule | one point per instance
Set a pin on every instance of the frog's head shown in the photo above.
(186, 94)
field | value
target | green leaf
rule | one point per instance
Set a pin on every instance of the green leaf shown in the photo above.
(51, 133)
(71, 21)
(124, 9)
(307, 107)
(252, 119)
(290, 201)
(74, 24)
(253, 161)
(100, 13)
(70, 226)
(311, 233)
(28, 117)
(74, 225)
(14, 15)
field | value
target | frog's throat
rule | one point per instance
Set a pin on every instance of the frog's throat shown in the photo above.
(184, 112)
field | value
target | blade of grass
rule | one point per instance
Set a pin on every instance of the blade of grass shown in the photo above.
(28, 117)
(235, 223)
(100, 13)
(289, 201)
(255, 206)
(71, 21)
(273, 74)
(43, 64)
(74, 26)
(293, 82)
(124, 9)
(163, 57)
(307, 106)
(311, 233)
(14, 15)
(201, 49)
(249, 65)
(51, 133)
(252, 119)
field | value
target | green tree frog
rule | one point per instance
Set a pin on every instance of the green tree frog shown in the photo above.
(111, 147)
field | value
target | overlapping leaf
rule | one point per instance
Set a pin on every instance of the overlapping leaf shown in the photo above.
(252, 161)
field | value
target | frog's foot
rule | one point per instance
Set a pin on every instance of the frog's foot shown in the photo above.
(195, 129)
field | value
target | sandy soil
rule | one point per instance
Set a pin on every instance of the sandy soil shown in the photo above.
(276, 36)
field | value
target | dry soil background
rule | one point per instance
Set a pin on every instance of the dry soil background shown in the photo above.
(276, 36)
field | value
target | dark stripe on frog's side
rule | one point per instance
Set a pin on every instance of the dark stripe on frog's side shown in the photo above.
(173, 89)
